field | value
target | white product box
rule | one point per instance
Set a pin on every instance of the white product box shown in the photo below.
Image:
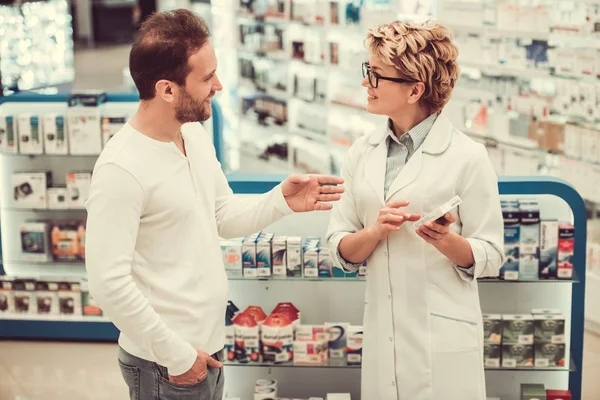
(78, 188)
(266, 383)
(111, 124)
(312, 333)
(518, 329)
(566, 248)
(55, 134)
(548, 249)
(232, 257)
(338, 339)
(35, 243)
(249, 258)
(85, 132)
(311, 262)
(263, 257)
(7, 302)
(30, 134)
(57, 198)
(69, 298)
(438, 212)
(24, 296)
(29, 189)
(277, 342)
(338, 396)
(310, 353)
(280, 256)
(8, 134)
(265, 393)
(294, 257)
(46, 297)
(355, 345)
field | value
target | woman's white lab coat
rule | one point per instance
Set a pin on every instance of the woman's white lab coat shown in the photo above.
(423, 336)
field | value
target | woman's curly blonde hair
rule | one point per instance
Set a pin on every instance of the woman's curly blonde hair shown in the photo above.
(421, 52)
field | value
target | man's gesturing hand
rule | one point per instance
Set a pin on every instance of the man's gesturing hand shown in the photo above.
(391, 219)
(198, 372)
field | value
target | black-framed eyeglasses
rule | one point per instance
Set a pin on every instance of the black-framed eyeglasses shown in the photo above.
(374, 77)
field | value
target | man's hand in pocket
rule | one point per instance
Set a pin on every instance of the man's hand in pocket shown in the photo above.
(198, 372)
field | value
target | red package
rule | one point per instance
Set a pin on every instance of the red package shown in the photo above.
(257, 313)
(558, 395)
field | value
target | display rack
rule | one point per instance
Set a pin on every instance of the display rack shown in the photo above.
(343, 301)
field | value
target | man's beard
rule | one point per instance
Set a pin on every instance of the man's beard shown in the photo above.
(190, 110)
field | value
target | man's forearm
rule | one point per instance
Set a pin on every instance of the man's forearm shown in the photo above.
(457, 249)
(240, 216)
(356, 247)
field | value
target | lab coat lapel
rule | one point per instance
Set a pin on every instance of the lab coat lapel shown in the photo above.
(437, 141)
(409, 173)
(375, 163)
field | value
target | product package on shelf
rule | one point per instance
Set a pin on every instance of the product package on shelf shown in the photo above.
(29, 130)
(549, 340)
(70, 298)
(311, 345)
(57, 198)
(232, 257)
(46, 294)
(89, 307)
(55, 134)
(517, 341)
(566, 246)
(492, 336)
(355, 345)
(247, 335)
(512, 231)
(8, 134)
(532, 391)
(7, 302)
(338, 340)
(29, 189)
(24, 296)
(529, 241)
(265, 389)
(84, 117)
(35, 244)
(78, 189)
(68, 241)
(111, 124)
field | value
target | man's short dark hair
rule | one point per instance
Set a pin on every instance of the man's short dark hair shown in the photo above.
(162, 49)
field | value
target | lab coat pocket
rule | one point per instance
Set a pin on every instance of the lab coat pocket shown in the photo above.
(453, 334)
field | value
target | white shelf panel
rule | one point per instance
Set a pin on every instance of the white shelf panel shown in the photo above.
(51, 318)
(592, 311)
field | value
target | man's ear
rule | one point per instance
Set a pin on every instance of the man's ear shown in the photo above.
(416, 92)
(165, 90)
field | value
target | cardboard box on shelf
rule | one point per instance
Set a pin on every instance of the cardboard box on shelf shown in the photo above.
(30, 189)
(78, 188)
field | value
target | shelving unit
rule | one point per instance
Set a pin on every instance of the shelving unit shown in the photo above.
(342, 300)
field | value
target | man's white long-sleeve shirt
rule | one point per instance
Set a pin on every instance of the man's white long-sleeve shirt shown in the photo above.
(153, 255)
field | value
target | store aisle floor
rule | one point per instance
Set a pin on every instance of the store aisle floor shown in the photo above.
(86, 371)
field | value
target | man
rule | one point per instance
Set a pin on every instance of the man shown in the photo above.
(159, 203)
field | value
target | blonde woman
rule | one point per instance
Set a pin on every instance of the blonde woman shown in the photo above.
(423, 334)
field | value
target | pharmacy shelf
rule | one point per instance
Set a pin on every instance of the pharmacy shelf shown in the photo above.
(498, 70)
(342, 363)
(331, 364)
(492, 31)
(20, 209)
(354, 280)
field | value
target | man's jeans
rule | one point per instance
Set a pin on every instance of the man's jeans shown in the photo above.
(150, 381)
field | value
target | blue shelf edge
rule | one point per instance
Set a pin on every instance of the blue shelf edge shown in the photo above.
(58, 330)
